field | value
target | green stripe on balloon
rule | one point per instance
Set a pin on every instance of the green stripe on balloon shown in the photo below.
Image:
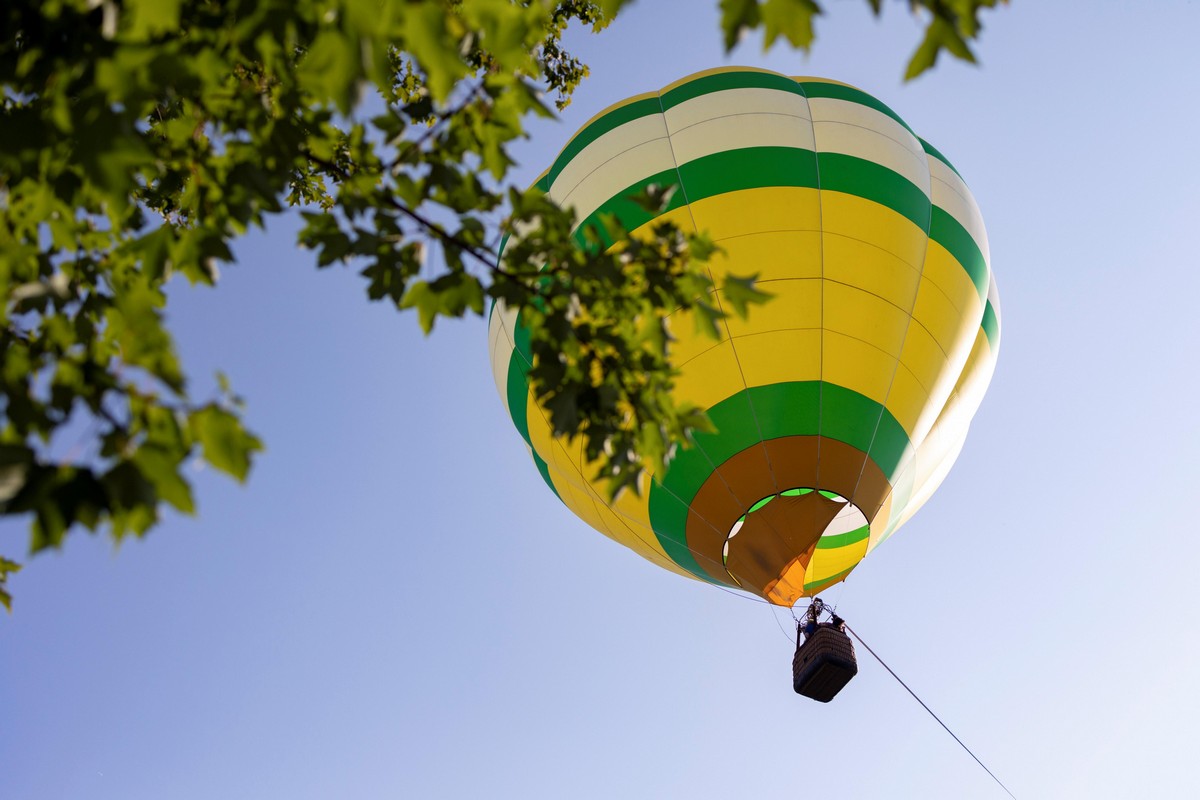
(523, 342)
(843, 539)
(708, 84)
(933, 151)
(629, 213)
(821, 584)
(762, 167)
(609, 122)
(991, 325)
(860, 422)
(875, 182)
(747, 168)
(709, 176)
(950, 234)
(796, 408)
(657, 105)
(724, 81)
(668, 519)
(544, 469)
(518, 397)
(837, 91)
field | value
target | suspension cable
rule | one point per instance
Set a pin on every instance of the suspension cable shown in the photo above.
(927, 708)
(775, 617)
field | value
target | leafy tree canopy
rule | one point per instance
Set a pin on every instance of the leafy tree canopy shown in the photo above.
(139, 138)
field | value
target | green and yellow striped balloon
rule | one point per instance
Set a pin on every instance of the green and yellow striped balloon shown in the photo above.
(842, 403)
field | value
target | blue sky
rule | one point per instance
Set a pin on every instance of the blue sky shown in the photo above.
(362, 619)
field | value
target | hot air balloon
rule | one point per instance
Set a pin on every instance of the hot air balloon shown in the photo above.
(840, 404)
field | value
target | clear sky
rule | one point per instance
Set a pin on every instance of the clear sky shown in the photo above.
(362, 619)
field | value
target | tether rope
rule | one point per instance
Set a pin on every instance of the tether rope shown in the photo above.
(927, 708)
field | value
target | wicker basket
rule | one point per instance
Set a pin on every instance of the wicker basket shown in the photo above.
(823, 664)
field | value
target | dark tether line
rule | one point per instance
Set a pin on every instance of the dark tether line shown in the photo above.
(927, 708)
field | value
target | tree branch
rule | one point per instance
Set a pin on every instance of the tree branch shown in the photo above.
(485, 257)
(441, 118)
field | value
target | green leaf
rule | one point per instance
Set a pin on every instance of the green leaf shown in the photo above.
(136, 325)
(695, 419)
(655, 198)
(133, 501)
(428, 38)
(152, 17)
(741, 293)
(564, 412)
(15, 463)
(652, 445)
(332, 67)
(507, 31)
(421, 297)
(322, 232)
(707, 317)
(701, 248)
(939, 35)
(610, 8)
(60, 496)
(161, 469)
(792, 19)
(7, 568)
(451, 295)
(226, 444)
(110, 154)
(737, 16)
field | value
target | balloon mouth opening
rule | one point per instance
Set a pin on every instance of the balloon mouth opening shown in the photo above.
(771, 548)
(795, 492)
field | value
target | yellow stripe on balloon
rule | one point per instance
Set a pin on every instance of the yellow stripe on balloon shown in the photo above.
(950, 328)
(860, 366)
(869, 267)
(866, 316)
(775, 208)
(793, 304)
(709, 378)
(907, 398)
(779, 356)
(827, 563)
(874, 224)
(951, 281)
(771, 256)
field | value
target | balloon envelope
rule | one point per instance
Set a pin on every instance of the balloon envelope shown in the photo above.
(841, 403)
